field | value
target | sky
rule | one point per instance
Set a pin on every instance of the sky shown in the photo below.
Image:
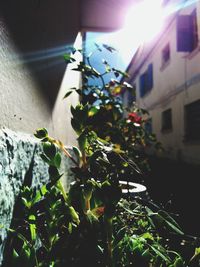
(127, 39)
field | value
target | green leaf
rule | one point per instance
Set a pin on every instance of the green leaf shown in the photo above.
(77, 152)
(127, 85)
(49, 150)
(119, 236)
(174, 228)
(197, 251)
(116, 74)
(73, 111)
(179, 262)
(160, 254)
(98, 212)
(98, 47)
(41, 133)
(40, 193)
(67, 94)
(109, 48)
(26, 203)
(93, 111)
(119, 72)
(15, 254)
(74, 215)
(54, 173)
(169, 218)
(32, 220)
(68, 58)
(57, 160)
(25, 252)
(147, 236)
(82, 141)
(69, 228)
(79, 91)
(76, 125)
(91, 217)
(47, 160)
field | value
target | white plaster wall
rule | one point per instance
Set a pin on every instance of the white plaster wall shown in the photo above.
(181, 68)
(61, 110)
(34, 35)
(22, 104)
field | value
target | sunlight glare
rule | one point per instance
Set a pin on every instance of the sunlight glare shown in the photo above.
(144, 20)
(142, 23)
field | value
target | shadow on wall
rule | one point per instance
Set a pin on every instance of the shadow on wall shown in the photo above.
(41, 32)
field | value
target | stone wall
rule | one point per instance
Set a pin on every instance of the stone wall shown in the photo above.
(20, 163)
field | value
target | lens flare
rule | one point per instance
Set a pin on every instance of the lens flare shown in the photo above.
(144, 20)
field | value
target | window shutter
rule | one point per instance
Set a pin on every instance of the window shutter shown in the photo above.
(142, 86)
(184, 33)
(194, 29)
(150, 76)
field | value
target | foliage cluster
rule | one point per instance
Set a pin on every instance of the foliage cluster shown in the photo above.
(92, 224)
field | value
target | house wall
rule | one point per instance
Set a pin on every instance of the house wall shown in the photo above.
(175, 85)
(34, 35)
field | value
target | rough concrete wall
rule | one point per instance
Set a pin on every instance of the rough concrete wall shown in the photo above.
(20, 163)
(34, 35)
(23, 105)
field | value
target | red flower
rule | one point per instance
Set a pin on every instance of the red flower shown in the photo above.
(134, 117)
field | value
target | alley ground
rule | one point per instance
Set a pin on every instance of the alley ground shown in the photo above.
(176, 185)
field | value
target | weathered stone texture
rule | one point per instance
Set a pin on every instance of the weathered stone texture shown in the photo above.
(19, 160)
(20, 163)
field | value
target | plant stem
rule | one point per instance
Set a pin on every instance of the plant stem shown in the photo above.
(65, 151)
(61, 187)
(100, 76)
(87, 204)
(109, 230)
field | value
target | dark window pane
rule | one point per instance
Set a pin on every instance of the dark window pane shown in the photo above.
(142, 85)
(187, 32)
(146, 81)
(192, 121)
(150, 76)
(167, 120)
(195, 29)
(131, 96)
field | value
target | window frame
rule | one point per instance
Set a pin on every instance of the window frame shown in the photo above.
(146, 81)
(166, 121)
(192, 133)
(187, 32)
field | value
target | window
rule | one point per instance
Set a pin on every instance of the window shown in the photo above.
(146, 81)
(192, 121)
(165, 55)
(187, 32)
(167, 120)
(131, 95)
(148, 126)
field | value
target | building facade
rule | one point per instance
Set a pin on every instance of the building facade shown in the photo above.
(166, 75)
